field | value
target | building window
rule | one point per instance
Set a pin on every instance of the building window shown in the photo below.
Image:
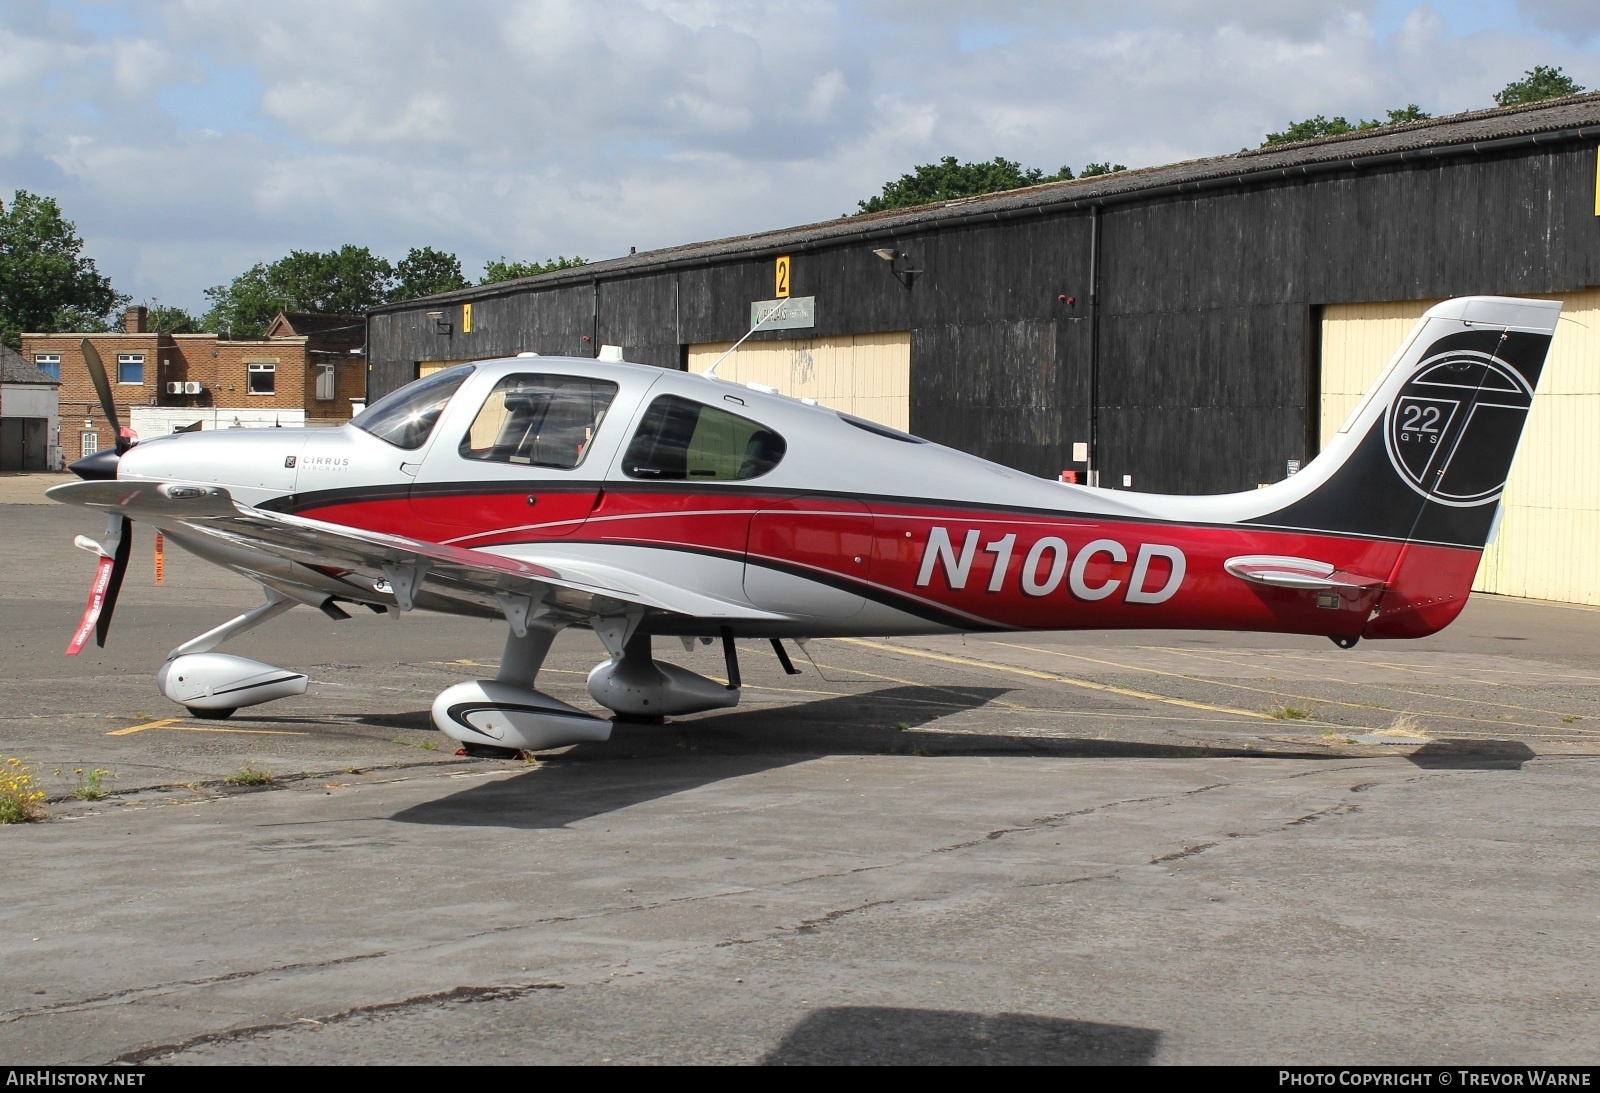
(49, 364)
(91, 443)
(130, 367)
(325, 382)
(263, 379)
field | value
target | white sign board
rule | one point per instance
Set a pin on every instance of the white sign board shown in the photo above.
(791, 314)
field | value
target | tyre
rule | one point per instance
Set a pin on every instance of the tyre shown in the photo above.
(209, 715)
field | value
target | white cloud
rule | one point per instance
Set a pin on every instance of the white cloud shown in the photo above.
(193, 138)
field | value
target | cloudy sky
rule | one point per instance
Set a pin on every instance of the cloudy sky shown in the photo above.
(190, 139)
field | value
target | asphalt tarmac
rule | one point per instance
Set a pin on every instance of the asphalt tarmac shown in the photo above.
(1044, 848)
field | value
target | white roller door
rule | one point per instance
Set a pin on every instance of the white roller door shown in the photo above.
(868, 375)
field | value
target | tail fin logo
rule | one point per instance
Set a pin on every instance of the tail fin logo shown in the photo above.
(1453, 428)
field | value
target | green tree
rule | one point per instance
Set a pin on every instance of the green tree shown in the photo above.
(1409, 112)
(1537, 84)
(425, 271)
(503, 270)
(346, 281)
(949, 180)
(166, 319)
(45, 282)
(1319, 126)
(1090, 170)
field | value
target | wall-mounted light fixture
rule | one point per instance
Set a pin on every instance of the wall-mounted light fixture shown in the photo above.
(441, 325)
(899, 264)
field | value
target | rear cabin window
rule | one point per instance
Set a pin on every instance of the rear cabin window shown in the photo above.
(539, 420)
(405, 418)
(683, 439)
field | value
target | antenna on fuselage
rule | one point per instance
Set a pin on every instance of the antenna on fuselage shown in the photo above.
(776, 311)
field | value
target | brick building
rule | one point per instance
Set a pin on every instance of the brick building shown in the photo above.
(306, 371)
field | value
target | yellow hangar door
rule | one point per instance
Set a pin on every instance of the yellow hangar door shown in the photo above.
(428, 368)
(1550, 519)
(867, 375)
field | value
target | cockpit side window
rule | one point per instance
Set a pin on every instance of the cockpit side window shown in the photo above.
(682, 439)
(405, 418)
(539, 420)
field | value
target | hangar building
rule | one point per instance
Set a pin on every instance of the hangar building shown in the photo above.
(1192, 328)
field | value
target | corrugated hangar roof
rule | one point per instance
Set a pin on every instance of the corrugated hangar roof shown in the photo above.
(1457, 134)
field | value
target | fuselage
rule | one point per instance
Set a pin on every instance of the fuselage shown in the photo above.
(838, 525)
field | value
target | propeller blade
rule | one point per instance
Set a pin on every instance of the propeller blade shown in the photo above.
(102, 387)
(119, 569)
(107, 582)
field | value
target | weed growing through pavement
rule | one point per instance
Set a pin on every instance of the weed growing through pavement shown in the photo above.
(249, 775)
(21, 796)
(1569, 719)
(1405, 725)
(90, 786)
(1291, 713)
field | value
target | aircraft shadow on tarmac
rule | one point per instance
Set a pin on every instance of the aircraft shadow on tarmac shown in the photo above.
(911, 1037)
(1472, 755)
(644, 762)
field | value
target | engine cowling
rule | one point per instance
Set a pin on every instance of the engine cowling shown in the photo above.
(640, 687)
(221, 681)
(487, 711)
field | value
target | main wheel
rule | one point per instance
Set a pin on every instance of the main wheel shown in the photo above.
(210, 715)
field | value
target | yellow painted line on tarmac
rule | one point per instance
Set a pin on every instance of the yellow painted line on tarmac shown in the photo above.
(173, 724)
(1269, 691)
(1219, 659)
(163, 723)
(1054, 678)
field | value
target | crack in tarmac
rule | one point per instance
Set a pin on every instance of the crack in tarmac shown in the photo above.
(436, 998)
(1186, 852)
(70, 1005)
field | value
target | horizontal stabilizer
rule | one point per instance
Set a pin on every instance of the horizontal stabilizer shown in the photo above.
(1282, 572)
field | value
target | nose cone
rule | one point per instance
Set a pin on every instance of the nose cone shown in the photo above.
(99, 467)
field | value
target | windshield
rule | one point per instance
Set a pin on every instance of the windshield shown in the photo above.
(405, 418)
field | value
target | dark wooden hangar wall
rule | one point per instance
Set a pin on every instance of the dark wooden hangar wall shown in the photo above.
(1207, 337)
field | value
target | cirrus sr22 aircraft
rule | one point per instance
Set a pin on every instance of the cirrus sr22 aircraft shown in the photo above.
(645, 503)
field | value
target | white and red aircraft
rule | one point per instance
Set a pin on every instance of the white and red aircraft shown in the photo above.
(640, 502)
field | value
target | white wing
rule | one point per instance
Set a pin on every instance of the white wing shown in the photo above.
(383, 569)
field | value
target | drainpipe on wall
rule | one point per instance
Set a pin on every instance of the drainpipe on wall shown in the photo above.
(1094, 346)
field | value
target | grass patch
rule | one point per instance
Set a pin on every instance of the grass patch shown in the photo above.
(21, 796)
(1291, 713)
(249, 775)
(1406, 726)
(91, 785)
(1569, 719)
